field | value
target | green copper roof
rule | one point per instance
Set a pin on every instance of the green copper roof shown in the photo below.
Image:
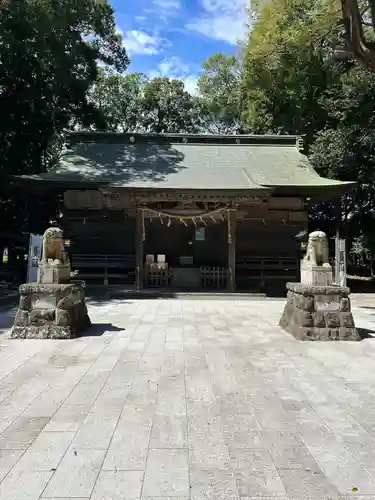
(184, 162)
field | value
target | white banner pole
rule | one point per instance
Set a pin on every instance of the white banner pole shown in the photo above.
(35, 254)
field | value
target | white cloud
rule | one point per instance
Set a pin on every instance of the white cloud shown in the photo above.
(140, 19)
(174, 67)
(191, 84)
(142, 33)
(140, 42)
(167, 4)
(162, 11)
(222, 20)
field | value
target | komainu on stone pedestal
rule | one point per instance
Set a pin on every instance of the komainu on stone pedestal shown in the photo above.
(318, 313)
(315, 308)
(54, 266)
(315, 268)
(54, 307)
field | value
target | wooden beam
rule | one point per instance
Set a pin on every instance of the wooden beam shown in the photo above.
(232, 250)
(139, 235)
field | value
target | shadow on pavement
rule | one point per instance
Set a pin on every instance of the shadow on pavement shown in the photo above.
(98, 329)
(365, 333)
(6, 319)
(103, 295)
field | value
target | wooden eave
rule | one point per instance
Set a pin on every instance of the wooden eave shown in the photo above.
(316, 193)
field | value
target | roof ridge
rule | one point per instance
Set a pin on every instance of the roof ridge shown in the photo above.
(202, 139)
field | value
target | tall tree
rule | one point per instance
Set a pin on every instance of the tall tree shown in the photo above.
(119, 97)
(219, 94)
(134, 103)
(49, 55)
(346, 149)
(292, 86)
(167, 107)
(287, 66)
(359, 31)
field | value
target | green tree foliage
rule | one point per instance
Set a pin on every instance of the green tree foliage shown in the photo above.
(49, 55)
(287, 66)
(167, 107)
(119, 99)
(134, 103)
(292, 85)
(345, 149)
(220, 99)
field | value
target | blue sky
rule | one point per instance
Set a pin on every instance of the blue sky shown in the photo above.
(173, 37)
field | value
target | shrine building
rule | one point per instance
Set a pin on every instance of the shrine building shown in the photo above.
(179, 211)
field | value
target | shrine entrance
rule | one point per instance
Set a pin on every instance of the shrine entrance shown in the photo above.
(185, 247)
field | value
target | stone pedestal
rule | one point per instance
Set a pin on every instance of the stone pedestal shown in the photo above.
(316, 275)
(51, 311)
(318, 313)
(53, 272)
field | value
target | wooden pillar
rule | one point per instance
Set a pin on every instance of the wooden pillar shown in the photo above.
(232, 250)
(139, 235)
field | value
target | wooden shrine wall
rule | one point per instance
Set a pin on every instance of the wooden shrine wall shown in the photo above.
(100, 232)
(180, 240)
(267, 228)
(270, 228)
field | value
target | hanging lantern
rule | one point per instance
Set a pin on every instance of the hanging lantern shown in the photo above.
(5, 256)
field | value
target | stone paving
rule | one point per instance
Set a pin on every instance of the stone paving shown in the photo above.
(187, 399)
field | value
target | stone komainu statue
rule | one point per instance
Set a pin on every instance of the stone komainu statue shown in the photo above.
(317, 250)
(53, 247)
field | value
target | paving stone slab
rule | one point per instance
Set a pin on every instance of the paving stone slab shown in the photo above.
(117, 485)
(24, 485)
(169, 431)
(68, 418)
(8, 458)
(288, 451)
(46, 451)
(22, 433)
(307, 484)
(212, 484)
(96, 431)
(255, 473)
(76, 474)
(167, 473)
